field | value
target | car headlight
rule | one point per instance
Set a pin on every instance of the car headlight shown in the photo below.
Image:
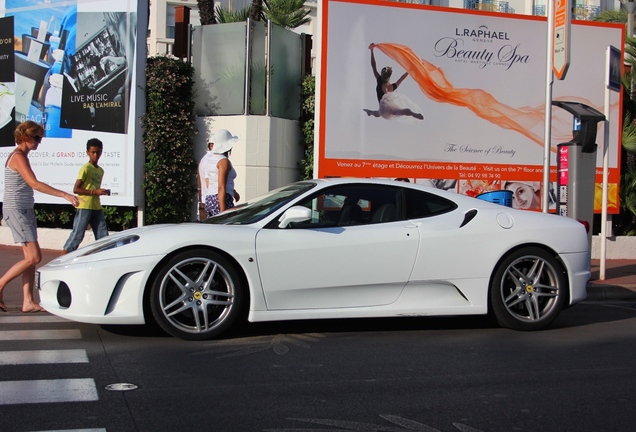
(122, 241)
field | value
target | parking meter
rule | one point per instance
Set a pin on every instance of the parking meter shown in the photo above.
(576, 164)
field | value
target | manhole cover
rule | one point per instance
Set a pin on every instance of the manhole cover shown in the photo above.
(121, 387)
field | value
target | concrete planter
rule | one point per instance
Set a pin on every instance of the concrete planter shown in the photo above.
(615, 248)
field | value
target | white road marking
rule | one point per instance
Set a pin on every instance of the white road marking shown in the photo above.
(75, 430)
(14, 335)
(43, 357)
(48, 391)
(35, 318)
(44, 391)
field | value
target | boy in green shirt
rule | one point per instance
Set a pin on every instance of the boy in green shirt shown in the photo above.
(89, 188)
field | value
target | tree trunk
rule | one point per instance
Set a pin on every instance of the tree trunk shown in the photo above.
(206, 11)
(257, 10)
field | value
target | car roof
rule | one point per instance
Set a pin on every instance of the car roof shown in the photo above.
(454, 196)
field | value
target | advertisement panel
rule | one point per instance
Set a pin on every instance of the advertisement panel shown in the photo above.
(463, 105)
(73, 67)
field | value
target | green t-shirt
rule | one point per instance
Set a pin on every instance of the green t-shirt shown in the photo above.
(91, 178)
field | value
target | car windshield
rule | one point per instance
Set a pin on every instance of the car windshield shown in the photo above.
(260, 207)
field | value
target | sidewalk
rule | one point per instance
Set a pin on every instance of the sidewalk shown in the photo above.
(12, 293)
(619, 283)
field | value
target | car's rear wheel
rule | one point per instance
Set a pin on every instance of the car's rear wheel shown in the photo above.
(528, 289)
(196, 295)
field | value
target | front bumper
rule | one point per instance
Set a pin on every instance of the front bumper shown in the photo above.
(101, 292)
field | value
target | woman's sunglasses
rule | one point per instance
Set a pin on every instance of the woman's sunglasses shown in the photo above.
(37, 138)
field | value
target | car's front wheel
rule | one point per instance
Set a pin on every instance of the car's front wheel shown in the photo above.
(528, 289)
(196, 295)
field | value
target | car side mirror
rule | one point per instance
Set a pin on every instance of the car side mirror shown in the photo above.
(294, 214)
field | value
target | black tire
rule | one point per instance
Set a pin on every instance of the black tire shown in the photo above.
(197, 295)
(528, 289)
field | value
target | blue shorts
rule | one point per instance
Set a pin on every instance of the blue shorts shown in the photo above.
(22, 223)
(212, 206)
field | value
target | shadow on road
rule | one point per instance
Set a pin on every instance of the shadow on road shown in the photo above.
(586, 313)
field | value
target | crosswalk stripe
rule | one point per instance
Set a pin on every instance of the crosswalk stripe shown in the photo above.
(43, 357)
(75, 430)
(24, 319)
(48, 391)
(39, 334)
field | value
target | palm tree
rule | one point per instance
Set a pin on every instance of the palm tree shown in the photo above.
(626, 222)
(224, 16)
(612, 16)
(206, 11)
(288, 14)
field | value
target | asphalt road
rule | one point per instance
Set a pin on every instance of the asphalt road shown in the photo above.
(451, 374)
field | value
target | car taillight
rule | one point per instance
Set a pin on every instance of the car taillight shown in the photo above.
(586, 224)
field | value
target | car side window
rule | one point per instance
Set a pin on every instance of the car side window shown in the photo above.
(352, 205)
(325, 210)
(419, 204)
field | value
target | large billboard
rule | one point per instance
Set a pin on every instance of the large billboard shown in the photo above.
(453, 98)
(76, 68)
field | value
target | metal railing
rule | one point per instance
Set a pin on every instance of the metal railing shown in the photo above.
(489, 5)
(584, 11)
(580, 11)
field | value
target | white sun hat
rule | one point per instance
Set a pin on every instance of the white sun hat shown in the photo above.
(223, 141)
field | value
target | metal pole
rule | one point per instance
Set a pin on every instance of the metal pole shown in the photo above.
(268, 76)
(549, 78)
(248, 55)
(189, 49)
(606, 133)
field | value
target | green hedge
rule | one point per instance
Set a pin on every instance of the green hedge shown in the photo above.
(169, 128)
(308, 108)
(61, 216)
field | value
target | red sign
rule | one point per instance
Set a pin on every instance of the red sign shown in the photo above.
(563, 165)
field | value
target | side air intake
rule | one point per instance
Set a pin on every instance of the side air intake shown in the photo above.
(468, 216)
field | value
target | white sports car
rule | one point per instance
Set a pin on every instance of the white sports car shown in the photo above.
(336, 248)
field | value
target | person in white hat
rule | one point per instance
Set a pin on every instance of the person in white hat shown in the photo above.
(220, 175)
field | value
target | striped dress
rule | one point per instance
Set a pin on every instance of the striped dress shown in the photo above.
(17, 193)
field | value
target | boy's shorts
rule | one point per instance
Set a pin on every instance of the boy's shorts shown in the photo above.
(22, 223)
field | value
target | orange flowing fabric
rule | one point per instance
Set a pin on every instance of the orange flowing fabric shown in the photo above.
(435, 85)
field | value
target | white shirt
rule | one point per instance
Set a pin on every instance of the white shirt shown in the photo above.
(203, 173)
(212, 171)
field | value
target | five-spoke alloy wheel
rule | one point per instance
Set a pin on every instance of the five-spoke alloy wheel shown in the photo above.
(528, 289)
(196, 295)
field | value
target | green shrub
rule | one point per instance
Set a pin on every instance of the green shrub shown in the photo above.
(308, 107)
(61, 216)
(168, 133)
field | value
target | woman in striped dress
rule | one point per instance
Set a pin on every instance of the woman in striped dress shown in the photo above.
(17, 209)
